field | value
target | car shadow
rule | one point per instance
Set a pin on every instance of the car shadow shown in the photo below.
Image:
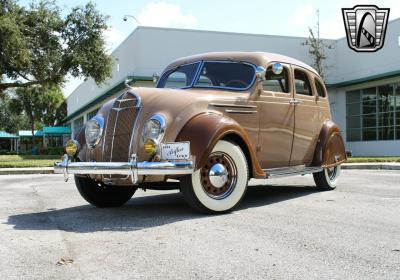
(143, 212)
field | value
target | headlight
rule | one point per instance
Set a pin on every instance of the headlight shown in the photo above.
(94, 130)
(154, 130)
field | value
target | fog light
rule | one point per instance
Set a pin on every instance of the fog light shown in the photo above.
(71, 147)
(150, 146)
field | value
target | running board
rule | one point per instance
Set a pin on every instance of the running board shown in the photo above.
(291, 171)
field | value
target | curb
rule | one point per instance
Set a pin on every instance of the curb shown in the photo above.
(372, 166)
(27, 170)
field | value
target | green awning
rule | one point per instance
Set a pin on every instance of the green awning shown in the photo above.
(56, 130)
(4, 134)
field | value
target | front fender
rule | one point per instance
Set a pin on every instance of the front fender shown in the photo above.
(204, 130)
(330, 150)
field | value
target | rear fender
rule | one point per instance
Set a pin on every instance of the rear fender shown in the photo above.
(330, 150)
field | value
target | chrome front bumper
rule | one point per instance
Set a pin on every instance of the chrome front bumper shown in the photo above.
(133, 168)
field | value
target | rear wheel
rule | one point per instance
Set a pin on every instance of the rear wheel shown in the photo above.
(327, 178)
(221, 183)
(101, 195)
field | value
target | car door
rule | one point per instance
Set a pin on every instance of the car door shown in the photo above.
(307, 118)
(276, 119)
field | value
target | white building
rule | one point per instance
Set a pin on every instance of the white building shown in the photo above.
(364, 88)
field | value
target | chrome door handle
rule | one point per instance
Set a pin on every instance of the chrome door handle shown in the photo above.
(295, 101)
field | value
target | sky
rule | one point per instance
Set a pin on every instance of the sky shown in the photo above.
(289, 17)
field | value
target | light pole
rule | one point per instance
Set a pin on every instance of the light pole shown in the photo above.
(125, 18)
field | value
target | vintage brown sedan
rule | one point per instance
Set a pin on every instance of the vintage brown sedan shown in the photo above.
(213, 122)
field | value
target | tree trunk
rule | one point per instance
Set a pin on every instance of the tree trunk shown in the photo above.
(32, 121)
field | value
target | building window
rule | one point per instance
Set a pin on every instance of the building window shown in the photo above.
(92, 113)
(373, 113)
(78, 124)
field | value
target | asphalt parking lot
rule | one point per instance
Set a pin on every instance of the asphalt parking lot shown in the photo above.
(283, 230)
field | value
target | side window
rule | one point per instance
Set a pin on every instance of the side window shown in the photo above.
(276, 82)
(301, 83)
(179, 77)
(320, 88)
(176, 80)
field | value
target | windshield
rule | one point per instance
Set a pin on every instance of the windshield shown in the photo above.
(213, 74)
(231, 75)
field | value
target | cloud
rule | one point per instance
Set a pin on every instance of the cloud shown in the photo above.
(163, 14)
(302, 15)
(113, 37)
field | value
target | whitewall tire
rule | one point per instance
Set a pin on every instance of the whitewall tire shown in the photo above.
(221, 183)
(327, 178)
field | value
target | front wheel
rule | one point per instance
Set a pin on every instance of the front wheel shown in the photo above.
(100, 195)
(327, 178)
(221, 183)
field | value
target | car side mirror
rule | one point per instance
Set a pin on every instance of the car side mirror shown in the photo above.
(277, 68)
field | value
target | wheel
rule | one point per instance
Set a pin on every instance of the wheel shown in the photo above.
(327, 178)
(100, 195)
(221, 183)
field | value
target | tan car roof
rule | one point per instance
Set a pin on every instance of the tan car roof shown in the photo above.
(257, 58)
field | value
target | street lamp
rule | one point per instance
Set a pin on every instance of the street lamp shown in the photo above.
(125, 18)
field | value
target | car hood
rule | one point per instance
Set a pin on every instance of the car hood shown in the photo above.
(179, 105)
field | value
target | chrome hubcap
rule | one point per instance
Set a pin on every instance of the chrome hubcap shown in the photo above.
(218, 175)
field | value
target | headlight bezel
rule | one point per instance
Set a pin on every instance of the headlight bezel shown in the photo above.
(96, 120)
(160, 120)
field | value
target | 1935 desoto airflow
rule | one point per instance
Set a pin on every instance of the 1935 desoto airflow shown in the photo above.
(213, 122)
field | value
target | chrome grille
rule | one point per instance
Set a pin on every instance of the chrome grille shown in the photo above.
(120, 128)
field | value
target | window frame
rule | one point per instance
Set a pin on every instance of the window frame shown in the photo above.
(392, 114)
(305, 71)
(198, 74)
(170, 70)
(319, 80)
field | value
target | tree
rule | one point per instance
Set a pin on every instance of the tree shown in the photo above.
(53, 106)
(11, 121)
(317, 48)
(43, 106)
(38, 46)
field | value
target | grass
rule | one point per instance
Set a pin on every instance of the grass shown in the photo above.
(7, 161)
(372, 159)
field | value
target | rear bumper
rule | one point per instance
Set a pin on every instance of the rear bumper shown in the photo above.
(132, 167)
